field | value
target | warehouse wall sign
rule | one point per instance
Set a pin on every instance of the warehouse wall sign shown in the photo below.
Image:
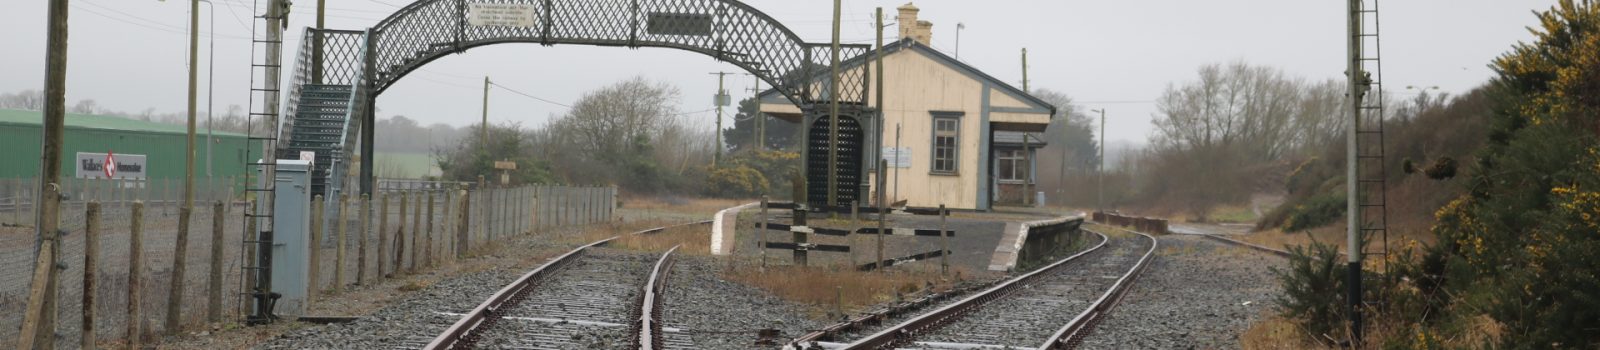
(122, 166)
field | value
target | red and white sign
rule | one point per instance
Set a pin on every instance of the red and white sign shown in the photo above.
(110, 165)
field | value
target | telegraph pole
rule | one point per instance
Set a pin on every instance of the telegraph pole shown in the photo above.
(39, 321)
(483, 130)
(878, 87)
(761, 119)
(721, 99)
(175, 306)
(316, 43)
(833, 116)
(1102, 175)
(1353, 78)
(1025, 70)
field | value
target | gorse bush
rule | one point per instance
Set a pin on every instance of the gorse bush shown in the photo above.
(1314, 289)
(1317, 211)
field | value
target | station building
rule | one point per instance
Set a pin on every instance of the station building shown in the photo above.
(143, 150)
(966, 139)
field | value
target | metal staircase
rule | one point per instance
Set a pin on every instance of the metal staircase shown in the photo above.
(320, 123)
(325, 105)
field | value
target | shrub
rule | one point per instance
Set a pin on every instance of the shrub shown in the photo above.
(1444, 168)
(1313, 289)
(1319, 210)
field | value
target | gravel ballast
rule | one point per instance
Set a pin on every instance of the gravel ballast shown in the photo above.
(1027, 317)
(1197, 293)
(714, 313)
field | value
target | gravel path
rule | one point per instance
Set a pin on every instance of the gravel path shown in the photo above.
(1030, 315)
(1197, 293)
(714, 313)
(410, 323)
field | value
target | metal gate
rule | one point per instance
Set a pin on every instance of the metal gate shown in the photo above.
(852, 143)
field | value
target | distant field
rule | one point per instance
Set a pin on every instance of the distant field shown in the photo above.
(405, 165)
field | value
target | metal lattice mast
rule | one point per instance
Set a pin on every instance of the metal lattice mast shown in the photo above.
(1364, 183)
(266, 38)
(1370, 136)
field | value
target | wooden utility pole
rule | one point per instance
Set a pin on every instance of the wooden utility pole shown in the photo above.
(721, 99)
(316, 44)
(833, 114)
(761, 119)
(39, 321)
(1025, 71)
(181, 248)
(483, 130)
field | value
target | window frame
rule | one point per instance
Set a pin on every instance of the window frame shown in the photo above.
(1018, 164)
(954, 118)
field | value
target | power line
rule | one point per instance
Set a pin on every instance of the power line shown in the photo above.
(158, 27)
(530, 96)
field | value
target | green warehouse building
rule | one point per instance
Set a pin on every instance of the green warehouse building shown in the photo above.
(142, 150)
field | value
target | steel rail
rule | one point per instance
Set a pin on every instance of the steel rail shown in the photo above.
(1071, 335)
(1258, 247)
(465, 332)
(904, 332)
(648, 326)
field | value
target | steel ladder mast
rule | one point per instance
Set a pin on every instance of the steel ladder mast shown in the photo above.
(266, 39)
(1370, 154)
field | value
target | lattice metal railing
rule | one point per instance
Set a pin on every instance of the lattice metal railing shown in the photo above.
(727, 30)
(359, 94)
(341, 57)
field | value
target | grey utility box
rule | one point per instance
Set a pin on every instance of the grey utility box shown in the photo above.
(291, 240)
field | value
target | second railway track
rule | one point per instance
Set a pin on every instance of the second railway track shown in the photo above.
(1051, 307)
(592, 297)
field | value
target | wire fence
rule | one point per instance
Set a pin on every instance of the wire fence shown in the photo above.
(407, 231)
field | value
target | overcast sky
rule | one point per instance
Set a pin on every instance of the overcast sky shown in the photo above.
(129, 55)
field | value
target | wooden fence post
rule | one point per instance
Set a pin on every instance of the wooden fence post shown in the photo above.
(316, 251)
(361, 243)
(249, 249)
(383, 231)
(400, 234)
(416, 231)
(427, 252)
(339, 234)
(463, 237)
(214, 280)
(135, 275)
(447, 241)
(91, 250)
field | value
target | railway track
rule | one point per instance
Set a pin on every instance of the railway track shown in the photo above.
(1050, 308)
(592, 297)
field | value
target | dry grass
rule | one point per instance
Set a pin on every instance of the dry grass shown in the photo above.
(826, 289)
(1275, 332)
(697, 206)
(691, 239)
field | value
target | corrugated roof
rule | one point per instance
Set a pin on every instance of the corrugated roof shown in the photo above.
(102, 122)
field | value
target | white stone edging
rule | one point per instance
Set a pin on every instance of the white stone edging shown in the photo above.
(725, 218)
